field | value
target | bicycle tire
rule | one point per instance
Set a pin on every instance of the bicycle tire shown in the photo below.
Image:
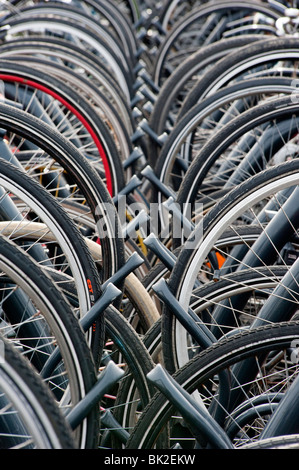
(183, 78)
(38, 412)
(192, 132)
(17, 73)
(120, 146)
(208, 364)
(70, 338)
(72, 55)
(134, 391)
(102, 49)
(194, 16)
(271, 178)
(117, 23)
(259, 114)
(237, 63)
(61, 150)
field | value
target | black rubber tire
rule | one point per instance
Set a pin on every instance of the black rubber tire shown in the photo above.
(223, 354)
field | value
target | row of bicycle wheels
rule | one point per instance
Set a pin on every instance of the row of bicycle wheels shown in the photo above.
(149, 225)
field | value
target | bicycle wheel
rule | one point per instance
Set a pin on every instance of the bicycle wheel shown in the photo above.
(131, 8)
(133, 393)
(119, 146)
(79, 61)
(204, 25)
(137, 306)
(95, 16)
(38, 319)
(30, 417)
(246, 151)
(73, 15)
(45, 25)
(84, 183)
(55, 242)
(189, 136)
(271, 57)
(175, 89)
(201, 377)
(124, 346)
(234, 211)
(73, 117)
(107, 15)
